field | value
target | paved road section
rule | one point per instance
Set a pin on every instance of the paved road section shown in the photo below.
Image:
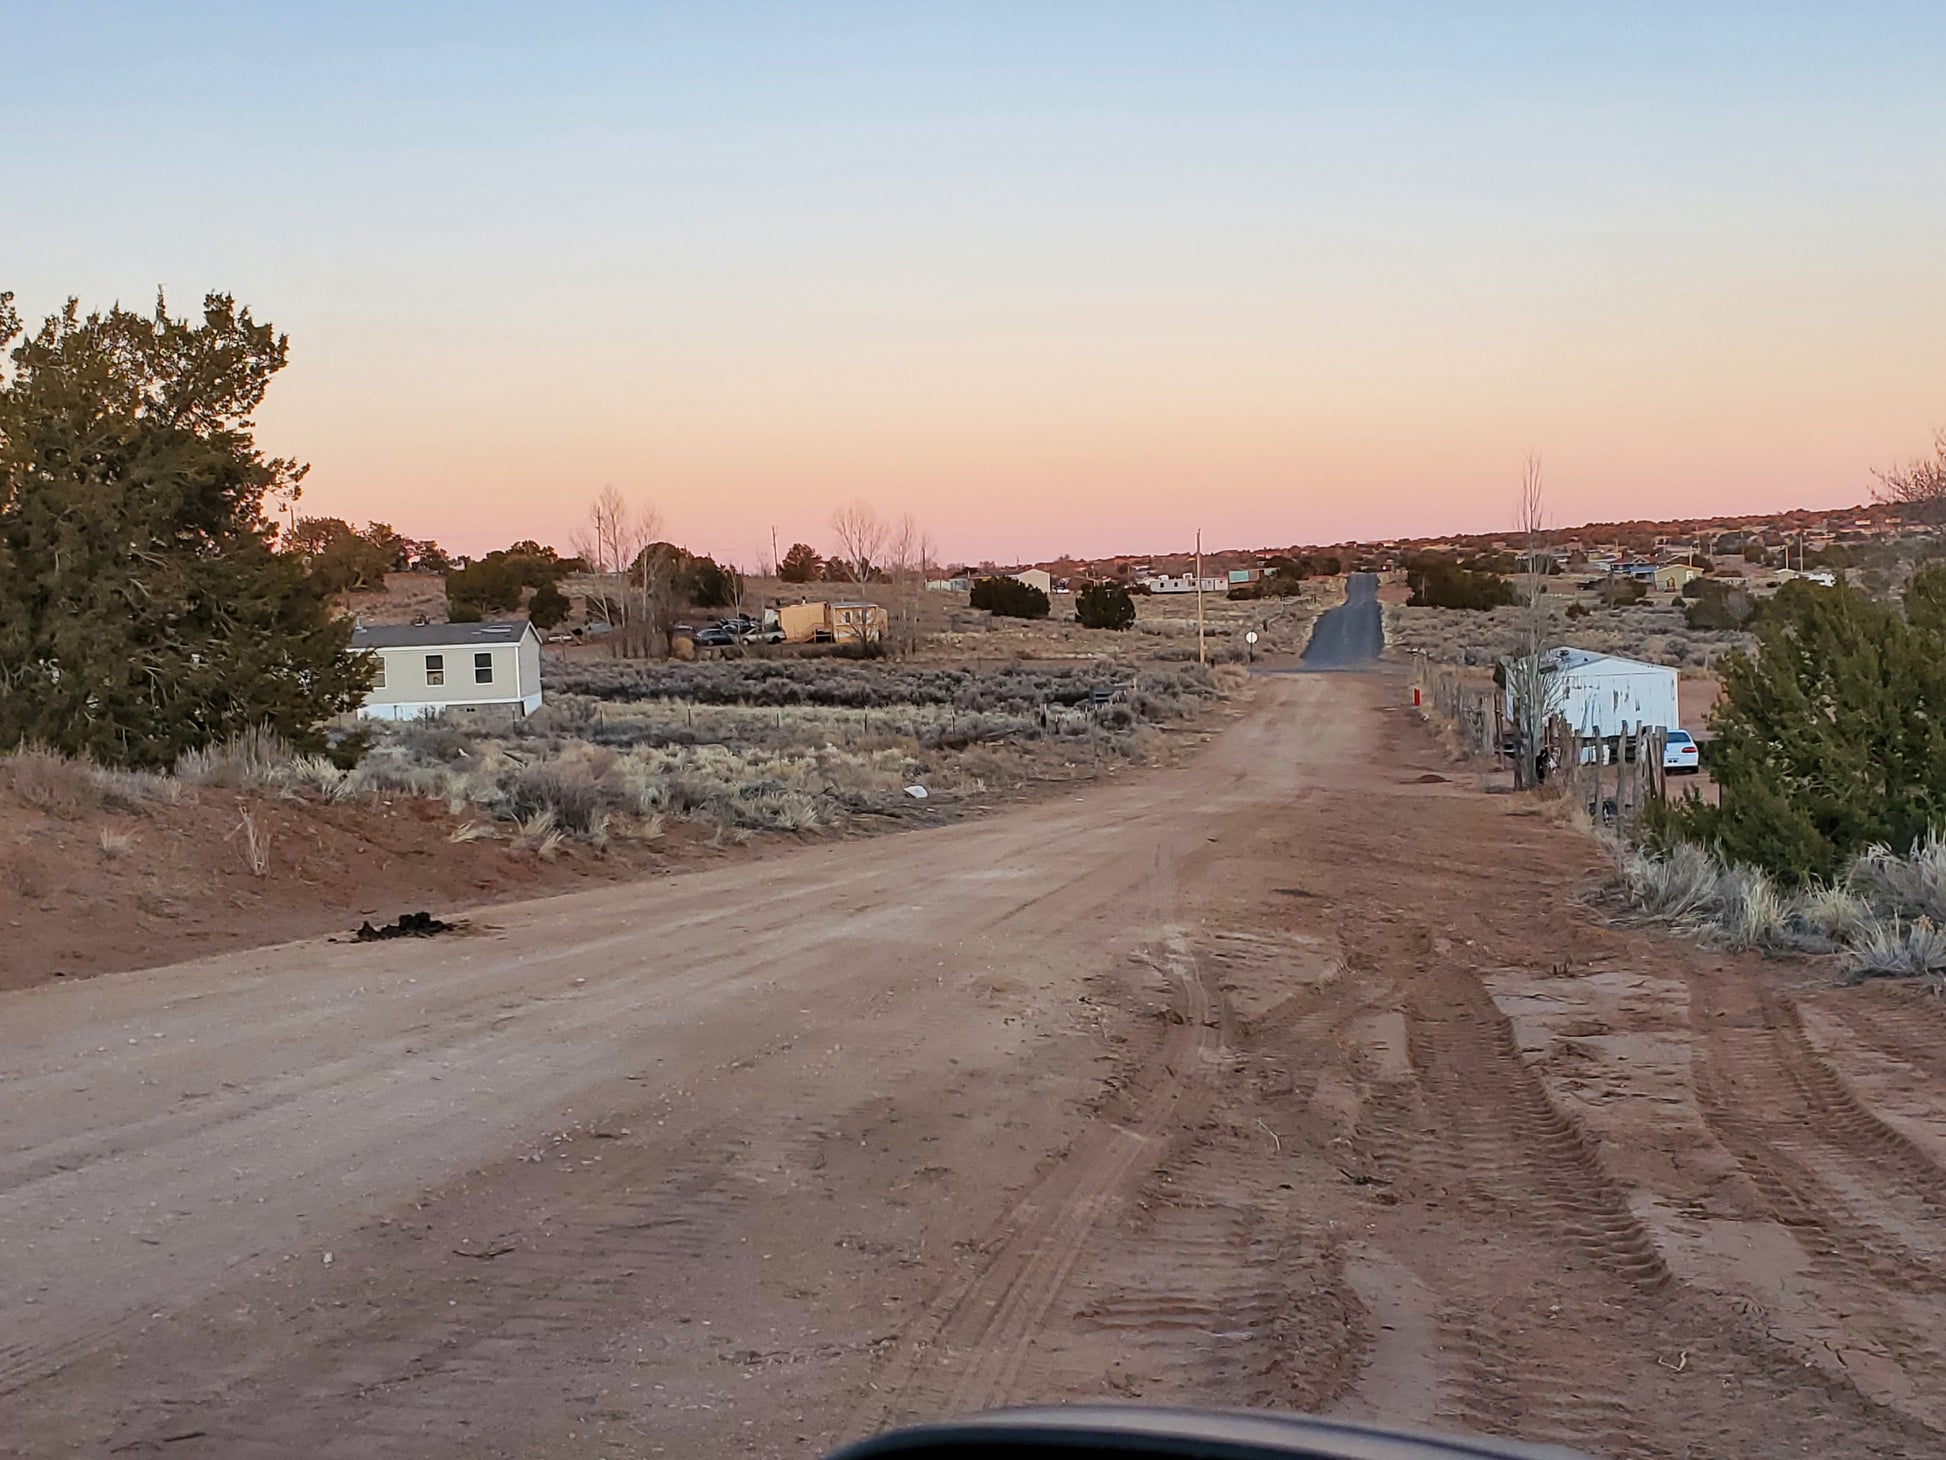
(1351, 635)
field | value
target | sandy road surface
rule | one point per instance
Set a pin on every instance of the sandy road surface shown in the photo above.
(1240, 1083)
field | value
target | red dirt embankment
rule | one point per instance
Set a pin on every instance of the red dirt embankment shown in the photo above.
(87, 890)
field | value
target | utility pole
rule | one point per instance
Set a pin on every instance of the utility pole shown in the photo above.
(1202, 657)
(775, 566)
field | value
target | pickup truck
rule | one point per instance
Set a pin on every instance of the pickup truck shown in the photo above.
(740, 629)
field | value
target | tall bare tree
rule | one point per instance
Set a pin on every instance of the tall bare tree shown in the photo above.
(1919, 487)
(1533, 686)
(907, 552)
(861, 535)
(635, 584)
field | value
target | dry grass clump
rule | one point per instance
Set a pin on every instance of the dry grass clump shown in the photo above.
(1678, 887)
(67, 787)
(248, 759)
(43, 780)
(1884, 915)
(253, 842)
(1834, 913)
(594, 793)
(1750, 911)
(1739, 908)
(1912, 886)
(1895, 948)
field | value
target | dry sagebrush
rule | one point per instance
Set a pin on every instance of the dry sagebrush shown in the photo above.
(1887, 915)
(742, 746)
(1461, 636)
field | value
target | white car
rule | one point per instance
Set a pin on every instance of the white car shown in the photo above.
(1679, 756)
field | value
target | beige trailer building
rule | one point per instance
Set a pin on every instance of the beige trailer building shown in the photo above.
(836, 623)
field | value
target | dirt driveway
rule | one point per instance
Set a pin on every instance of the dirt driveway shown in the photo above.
(1294, 1077)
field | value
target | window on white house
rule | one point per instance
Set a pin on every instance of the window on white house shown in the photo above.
(483, 669)
(435, 669)
(378, 674)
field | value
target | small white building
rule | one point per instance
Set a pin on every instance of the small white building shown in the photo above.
(445, 669)
(1603, 694)
(1035, 578)
(1186, 583)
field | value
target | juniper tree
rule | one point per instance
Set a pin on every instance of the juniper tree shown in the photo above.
(143, 611)
(1833, 735)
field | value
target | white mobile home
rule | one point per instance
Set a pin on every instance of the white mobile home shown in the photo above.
(1601, 694)
(1186, 583)
(490, 669)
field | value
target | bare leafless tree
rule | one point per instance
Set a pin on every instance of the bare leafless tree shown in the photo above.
(597, 542)
(907, 552)
(861, 535)
(636, 586)
(1918, 488)
(1533, 685)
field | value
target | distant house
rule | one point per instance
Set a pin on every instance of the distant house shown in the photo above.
(1671, 576)
(1186, 583)
(844, 622)
(485, 669)
(1035, 578)
(1241, 576)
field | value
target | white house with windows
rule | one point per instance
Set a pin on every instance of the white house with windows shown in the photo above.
(484, 669)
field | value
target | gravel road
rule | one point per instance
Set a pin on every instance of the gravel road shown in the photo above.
(1240, 1083)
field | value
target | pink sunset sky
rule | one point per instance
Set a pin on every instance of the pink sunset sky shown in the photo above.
(1069, 278)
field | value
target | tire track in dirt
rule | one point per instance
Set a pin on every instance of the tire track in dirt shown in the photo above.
(1224, 1284)
(966, 1351)
(1836, 1114)
(1521, 1152)
(1903, 1024)
(1228, 1297)
(1557, 1318)
(1502, 1387)
(1469, 1125)
(1783, 1113)
(1791, 1123)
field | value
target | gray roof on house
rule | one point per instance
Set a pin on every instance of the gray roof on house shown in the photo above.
(434, 636)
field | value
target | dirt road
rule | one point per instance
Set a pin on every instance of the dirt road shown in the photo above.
(1240, 1083)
